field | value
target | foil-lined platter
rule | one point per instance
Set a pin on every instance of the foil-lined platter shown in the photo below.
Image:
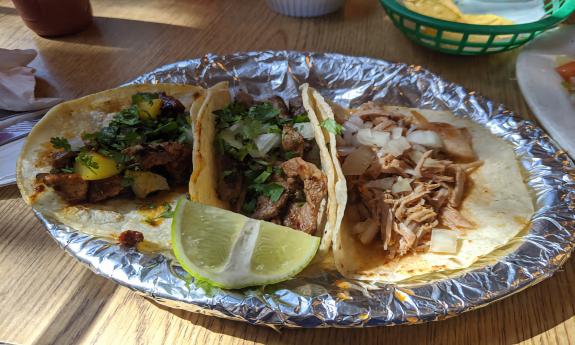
(322, 297)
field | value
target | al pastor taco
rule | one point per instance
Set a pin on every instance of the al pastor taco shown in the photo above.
(112, 163)
(427, 192)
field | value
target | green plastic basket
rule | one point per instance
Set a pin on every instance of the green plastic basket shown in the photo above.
(468, 39)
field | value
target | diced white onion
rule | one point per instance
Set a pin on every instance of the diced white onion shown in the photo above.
(415, 156)
(411, 172)
(425, 138)
(357, 161)
(397, 146)
(345, 150)
(356, 120)
(266, 142)
(418, 147)
(396, 132)
(350, 127)
(230, 138)
(443, 241)
(402, 185)
(369, 227)
(366, 136)
(383, 183)
(305, 129)
(77, 143)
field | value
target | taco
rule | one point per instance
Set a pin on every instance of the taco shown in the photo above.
(427, 192)
(113, 163)
(265, 159)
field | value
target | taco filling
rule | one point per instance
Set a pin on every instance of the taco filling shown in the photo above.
(144, 148)
(406, 179)
(269, 163)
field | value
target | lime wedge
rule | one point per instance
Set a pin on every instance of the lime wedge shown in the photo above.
(232, 251)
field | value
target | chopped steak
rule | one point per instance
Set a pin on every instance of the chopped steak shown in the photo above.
(244, 98)
(279, 103)
(292, 141)
(130, 238)
(100, 190)
(70, 187)
(63, 159)
(179, 169)
(175, 156)
(267, 209)
(302, 217)
(231, 188)
(314, 181)
(296, 106)
(170, 106)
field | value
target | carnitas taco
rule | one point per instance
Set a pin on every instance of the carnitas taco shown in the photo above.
(265, 159)
(427, 192)
(113, 163)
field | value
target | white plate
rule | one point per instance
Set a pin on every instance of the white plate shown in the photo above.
(541, 85)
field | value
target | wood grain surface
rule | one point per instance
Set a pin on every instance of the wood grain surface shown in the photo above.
(46, 297)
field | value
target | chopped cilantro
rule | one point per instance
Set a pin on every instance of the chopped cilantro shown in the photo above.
(227, 173)
(263, 111)
(290, 154)
(168, 212)
(87, 160)
(263, 177)
(67, 170)
(274, 191)
(249, 207)
(60, 143)
(301, 118)
(332, 126)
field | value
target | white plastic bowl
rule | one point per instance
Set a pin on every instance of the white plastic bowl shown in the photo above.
(304, 8)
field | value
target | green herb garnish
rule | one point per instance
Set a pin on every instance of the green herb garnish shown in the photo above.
(274, 191)
(60, 143)
(262, 177)
(301, 118)
(332, 126)
(87, 160)
(167, 213)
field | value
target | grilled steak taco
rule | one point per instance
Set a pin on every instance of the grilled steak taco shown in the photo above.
(265, 159)
(112, 163)
(427, 192)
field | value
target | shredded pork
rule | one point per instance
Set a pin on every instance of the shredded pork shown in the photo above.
(407, 191)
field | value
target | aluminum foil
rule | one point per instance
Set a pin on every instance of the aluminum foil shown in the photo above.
(328, 299)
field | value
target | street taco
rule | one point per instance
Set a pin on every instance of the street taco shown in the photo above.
(113, 163)
(427, 192)
(265, 159)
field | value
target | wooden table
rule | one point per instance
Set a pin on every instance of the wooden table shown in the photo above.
(46, 297)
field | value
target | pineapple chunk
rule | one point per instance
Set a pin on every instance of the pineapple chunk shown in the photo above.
(94, 166)
(146, 182)
(149, 110)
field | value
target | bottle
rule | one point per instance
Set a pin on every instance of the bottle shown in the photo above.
(50, 18)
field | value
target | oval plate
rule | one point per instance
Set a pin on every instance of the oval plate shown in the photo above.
(327, 299)
(541, 85)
